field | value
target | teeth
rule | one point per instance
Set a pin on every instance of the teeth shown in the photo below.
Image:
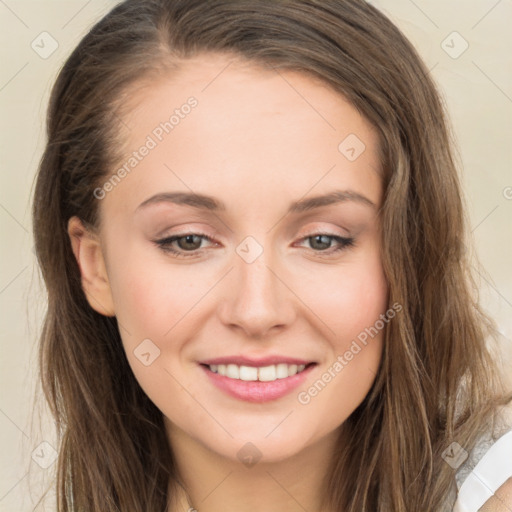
(282, 371)
(267, 373)
(232, 371)
(253, 373)
(248, 373)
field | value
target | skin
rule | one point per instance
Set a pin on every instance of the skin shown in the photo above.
(257, 141)
(501, 501)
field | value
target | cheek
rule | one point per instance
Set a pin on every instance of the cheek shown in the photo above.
(153, 304)
(351, 304)
(350, 298)
(151, 296)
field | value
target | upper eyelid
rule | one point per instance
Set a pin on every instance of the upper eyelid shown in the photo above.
(177, 236)
(309, 234)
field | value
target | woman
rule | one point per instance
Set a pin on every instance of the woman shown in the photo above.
(250, 226)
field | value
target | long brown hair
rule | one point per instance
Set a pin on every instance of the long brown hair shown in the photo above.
(436, 382)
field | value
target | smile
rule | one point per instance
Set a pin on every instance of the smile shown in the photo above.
(257, 383)
(254, 373)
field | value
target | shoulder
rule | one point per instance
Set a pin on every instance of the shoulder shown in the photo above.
(502, 499)
(485, 484)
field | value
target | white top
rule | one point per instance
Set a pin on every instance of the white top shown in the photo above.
(490, 473)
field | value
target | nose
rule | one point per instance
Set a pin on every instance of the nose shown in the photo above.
(257, 298)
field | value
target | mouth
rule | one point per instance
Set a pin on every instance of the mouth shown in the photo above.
(268, 373)
(257, 384)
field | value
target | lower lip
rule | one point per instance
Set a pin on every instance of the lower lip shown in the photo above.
(256, 391)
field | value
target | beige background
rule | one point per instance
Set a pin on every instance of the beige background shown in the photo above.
(477, 87)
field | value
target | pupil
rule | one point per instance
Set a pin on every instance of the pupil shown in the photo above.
(319, 238)
(189, 239)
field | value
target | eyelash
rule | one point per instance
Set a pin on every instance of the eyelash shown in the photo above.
(165, 244)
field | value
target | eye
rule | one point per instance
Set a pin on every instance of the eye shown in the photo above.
(186, 242)
(321, 242)
(191, 243)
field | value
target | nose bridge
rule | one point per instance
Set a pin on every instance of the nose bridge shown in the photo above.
(256, 299)
(256, 281)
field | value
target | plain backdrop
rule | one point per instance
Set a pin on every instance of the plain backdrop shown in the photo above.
(466, 45)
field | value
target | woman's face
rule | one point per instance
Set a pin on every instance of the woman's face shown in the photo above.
(272, 182)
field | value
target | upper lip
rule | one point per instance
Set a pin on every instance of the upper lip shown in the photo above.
(255, 361)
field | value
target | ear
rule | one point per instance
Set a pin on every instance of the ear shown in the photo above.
(87, 250)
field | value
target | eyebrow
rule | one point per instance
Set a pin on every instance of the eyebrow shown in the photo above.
(205, 202)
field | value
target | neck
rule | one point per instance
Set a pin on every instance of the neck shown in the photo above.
(214, 483)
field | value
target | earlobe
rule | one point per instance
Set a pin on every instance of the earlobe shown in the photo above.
(87, 250)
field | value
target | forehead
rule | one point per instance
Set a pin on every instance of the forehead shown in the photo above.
(251, 127)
